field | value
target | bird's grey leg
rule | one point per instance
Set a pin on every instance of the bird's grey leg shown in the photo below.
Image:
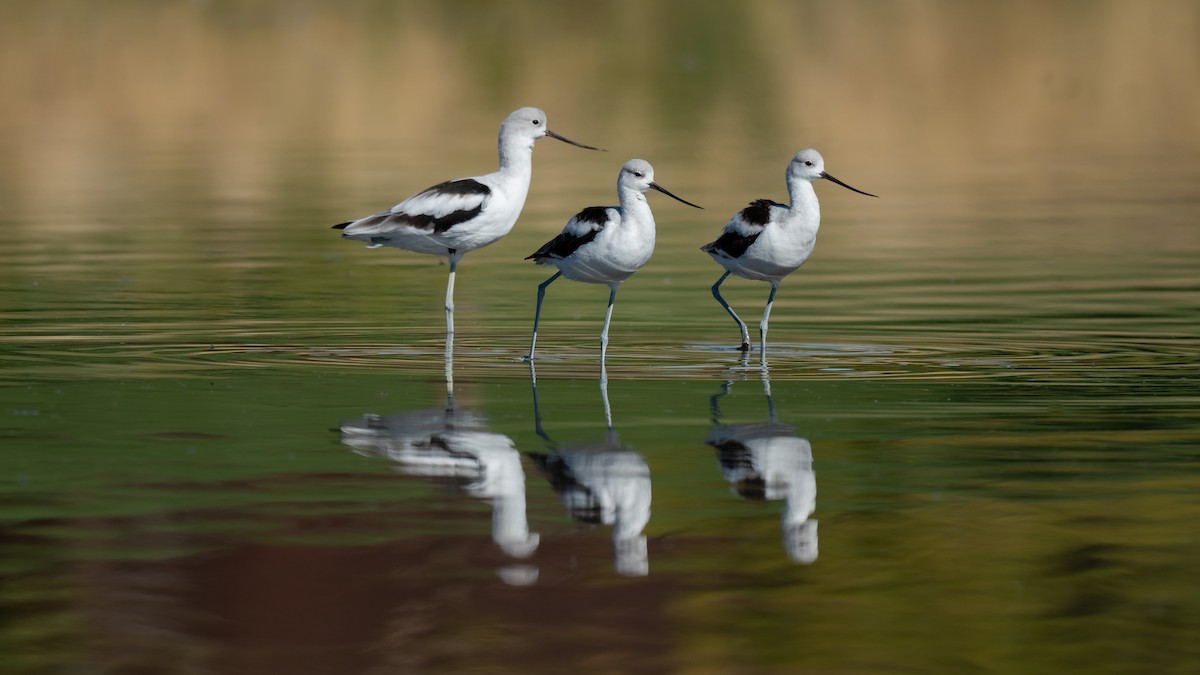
(612, 298)
(762, 327)
(454, 257)
(537, 313)
(716, 291)
(449, 362)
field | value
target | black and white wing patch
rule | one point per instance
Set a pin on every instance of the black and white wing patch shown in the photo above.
(743, 229)
(758, 212)
(432, 211)
(579, 230)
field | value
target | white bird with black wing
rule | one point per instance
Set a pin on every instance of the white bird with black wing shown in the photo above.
(457, 216)
(604, 244)
(766, 241)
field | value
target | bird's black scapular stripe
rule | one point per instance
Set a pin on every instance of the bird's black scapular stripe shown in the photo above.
(420, 221)
(561, 246)
(731, 244)
(597, 215)
(426, 222)
(457, 188)
(759, 211)
(565, 244)
(460, 188)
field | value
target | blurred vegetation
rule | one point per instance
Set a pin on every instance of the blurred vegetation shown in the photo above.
(916, 90)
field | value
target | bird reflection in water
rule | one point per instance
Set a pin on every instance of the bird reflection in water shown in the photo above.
(456, 445)
(767, 461)
(601, 483)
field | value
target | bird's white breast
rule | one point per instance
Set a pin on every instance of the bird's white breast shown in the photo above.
(783, 246)
(619, 250)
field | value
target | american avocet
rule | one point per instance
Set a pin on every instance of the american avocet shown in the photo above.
(604, 244)
(461, 215)
(766, 241)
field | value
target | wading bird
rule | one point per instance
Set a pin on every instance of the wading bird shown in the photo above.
(453, 218)
(766, 241)
(604, 244)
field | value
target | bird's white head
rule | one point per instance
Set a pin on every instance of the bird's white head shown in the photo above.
(529, 124)
(526, 123)
(809, 165)
(638, 175)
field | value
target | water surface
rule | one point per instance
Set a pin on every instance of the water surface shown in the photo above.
(228, 446)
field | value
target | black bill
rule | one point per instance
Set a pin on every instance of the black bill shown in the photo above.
(826, 176)
(663, 190)
(555, 136)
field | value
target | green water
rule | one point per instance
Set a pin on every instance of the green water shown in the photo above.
(988, 376)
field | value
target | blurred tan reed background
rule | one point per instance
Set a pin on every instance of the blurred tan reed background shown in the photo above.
(901, 91)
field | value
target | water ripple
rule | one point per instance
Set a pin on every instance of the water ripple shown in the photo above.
(967, 357)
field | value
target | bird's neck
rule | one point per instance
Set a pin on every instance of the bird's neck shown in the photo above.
(635, 205)
(804, 199)
(516, 170)
(516, 156)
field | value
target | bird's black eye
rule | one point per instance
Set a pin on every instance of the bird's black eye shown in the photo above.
(536, 122)
(806, 163)
(639, 174)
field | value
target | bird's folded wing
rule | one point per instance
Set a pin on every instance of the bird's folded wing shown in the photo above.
(434, 210)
